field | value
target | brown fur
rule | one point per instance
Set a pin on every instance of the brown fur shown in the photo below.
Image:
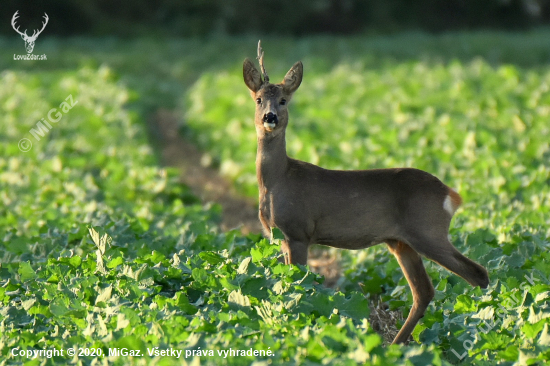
(352, 209)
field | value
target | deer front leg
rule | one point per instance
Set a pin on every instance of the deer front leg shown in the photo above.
(295, 252)
(419, 282)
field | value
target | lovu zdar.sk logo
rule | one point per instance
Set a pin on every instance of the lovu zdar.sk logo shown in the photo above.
(29, 40)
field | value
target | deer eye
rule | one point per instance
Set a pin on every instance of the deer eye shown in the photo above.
(283, 101)
(259, 101)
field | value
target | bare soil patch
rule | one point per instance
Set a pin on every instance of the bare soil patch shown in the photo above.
(204, 182)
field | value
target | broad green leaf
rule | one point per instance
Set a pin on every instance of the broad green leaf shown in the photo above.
(211, 257)
(26, 272)
(58, 307)
(115, 262)
(356, 306)
(75, 261)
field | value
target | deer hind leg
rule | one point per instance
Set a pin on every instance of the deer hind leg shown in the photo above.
(445, 254)
(419, 282)
(295, 252)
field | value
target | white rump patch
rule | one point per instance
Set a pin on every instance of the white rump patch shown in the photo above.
(448, 205)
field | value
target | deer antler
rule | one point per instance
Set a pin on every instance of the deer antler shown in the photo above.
(35, 35)
(15, 16)
(261, 61)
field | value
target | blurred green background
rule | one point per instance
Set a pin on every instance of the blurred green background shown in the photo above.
(458, 88)
(282, 17)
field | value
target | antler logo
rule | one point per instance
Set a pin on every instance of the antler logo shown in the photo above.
(29, 41)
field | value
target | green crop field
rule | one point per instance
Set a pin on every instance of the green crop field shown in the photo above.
(104, 254)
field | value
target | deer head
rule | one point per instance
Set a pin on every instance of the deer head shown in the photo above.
(29, 41)
(271, 99)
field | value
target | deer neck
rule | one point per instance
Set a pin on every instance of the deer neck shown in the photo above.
(271, 159)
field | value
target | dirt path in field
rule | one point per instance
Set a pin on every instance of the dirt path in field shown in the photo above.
(205, 182)
(242, 212)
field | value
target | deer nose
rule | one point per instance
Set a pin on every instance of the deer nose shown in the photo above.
(270, 118)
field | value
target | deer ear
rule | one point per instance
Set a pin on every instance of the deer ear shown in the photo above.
(251, 76)
(293, 78)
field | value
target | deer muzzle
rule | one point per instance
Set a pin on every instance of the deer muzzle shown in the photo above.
(270, 120)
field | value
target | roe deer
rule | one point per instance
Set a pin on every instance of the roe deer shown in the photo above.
(408, 209)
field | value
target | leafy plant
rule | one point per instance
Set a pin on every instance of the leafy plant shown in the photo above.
(481, 128)
(103, 250)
